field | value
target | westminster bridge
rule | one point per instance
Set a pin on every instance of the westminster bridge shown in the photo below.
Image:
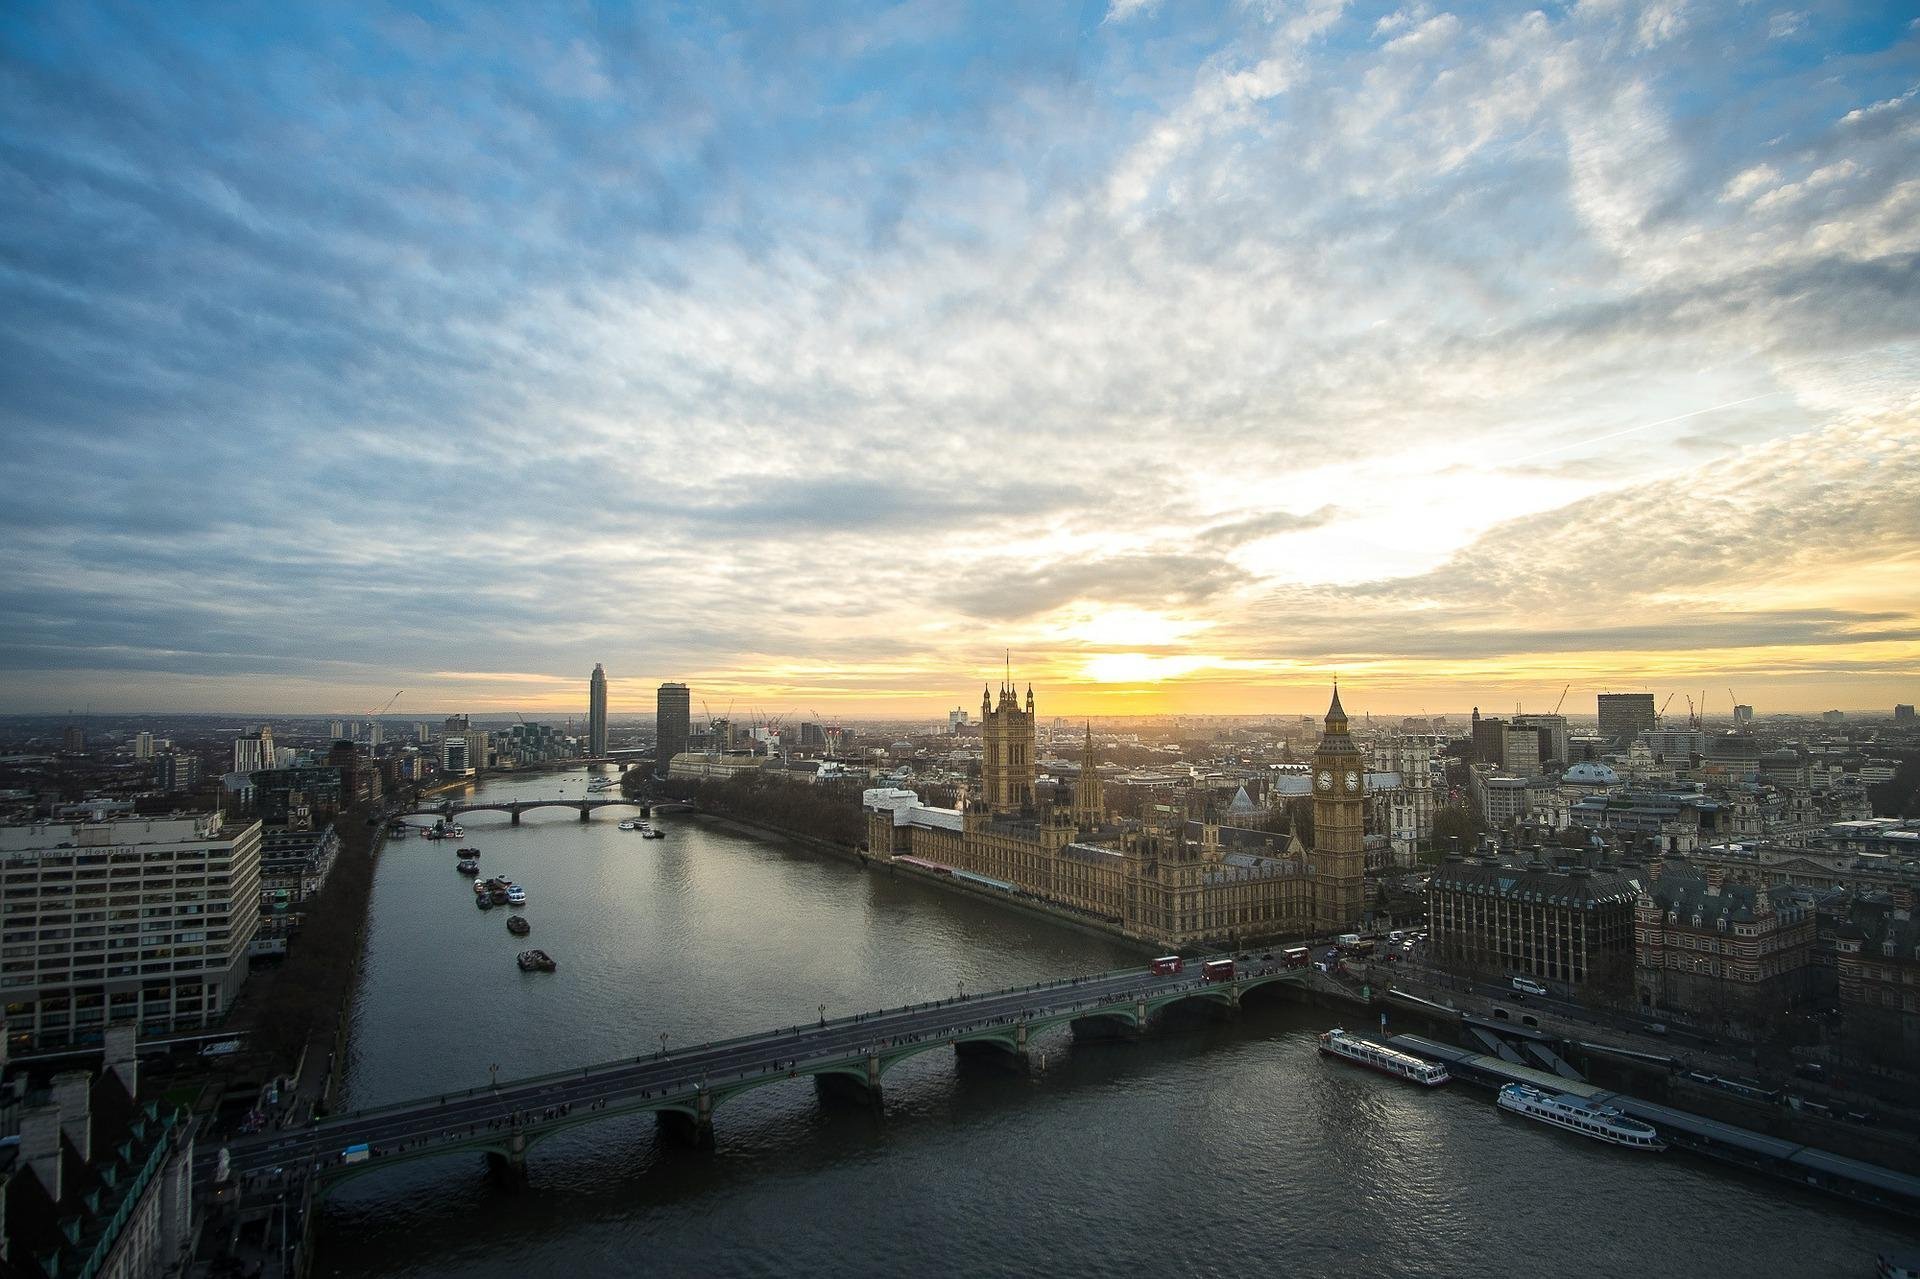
(683, 1085)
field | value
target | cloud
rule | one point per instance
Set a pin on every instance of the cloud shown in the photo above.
(830, 353)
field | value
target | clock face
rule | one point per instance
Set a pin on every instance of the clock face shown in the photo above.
(1326, 780)
(1353, 782)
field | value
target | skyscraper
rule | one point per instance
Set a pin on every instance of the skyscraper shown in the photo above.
(143, 746)
(597, 714)
(672, 714)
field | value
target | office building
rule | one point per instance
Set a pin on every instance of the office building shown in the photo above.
(336, 729)
(74, 740)
(176, 771)
(1552, 733)
(1501, 919)
(423, 733)
(597, 713)
(1489, 739)
(251, 754)
(1743, 717)
(143, 746)
(1624, 716)
(141, 920)
(456, 724)
(1520, 751)
(299, 797)
(1903, 713)
(956, 719)
(672, 717)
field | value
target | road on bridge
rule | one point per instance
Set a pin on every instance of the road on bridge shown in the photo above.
(460, 1117)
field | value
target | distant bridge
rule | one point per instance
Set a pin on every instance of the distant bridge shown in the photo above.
(515, 807)
(681, 1087)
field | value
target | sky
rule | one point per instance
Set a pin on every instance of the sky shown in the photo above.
(827, 358)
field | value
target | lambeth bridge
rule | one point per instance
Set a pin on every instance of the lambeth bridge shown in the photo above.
(682, 1085)
(515, 807)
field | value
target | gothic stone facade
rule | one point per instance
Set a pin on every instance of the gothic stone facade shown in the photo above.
(1167, 880)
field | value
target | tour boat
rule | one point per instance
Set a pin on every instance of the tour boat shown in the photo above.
(1390, 1061)
(1576, 1114)
(631, 824)
(518, 925)
(516, 895)
(531, 961)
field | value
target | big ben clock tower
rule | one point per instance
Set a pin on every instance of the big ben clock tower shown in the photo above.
(1339, 824)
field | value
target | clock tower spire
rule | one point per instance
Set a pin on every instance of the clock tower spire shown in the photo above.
(1339, 825)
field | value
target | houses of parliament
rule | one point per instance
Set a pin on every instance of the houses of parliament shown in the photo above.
(1171, 879)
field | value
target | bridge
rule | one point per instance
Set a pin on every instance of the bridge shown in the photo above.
(683, 1085)
(515, 807)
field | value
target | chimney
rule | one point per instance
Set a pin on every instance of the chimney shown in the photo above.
(76, 1114)
(121, 1058)
(40, 1146)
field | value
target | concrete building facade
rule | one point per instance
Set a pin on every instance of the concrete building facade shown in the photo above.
(142, 920)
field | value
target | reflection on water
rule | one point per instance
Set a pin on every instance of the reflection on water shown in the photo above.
(1208, 1147)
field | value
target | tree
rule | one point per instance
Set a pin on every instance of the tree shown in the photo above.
(1459, 821)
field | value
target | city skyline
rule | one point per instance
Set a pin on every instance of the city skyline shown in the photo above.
(1197, 354)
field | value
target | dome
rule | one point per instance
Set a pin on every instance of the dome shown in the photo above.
(1590, 773)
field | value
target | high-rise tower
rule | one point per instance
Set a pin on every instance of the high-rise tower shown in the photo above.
(1339, 825)
(1007, 740)
(672, 716)
(597, 714)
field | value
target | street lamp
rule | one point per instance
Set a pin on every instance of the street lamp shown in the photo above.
(663, 1043)
(823, 1014)
(959, 990)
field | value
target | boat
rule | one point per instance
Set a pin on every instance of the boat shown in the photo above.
(483, 900)
(468, 866)
(454, 831)
(1577, 1114)
(536, 961)
(516, 895)
(518, 925)
(648, 832)
(630, 824)
(1390, 1061)
(499, 896)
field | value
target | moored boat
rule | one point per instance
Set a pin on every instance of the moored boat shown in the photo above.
(1389, 1061)
(536, 961)
(467, 866)
(518, 925)
(516, 895)
(1577, 1114)
(483, 900)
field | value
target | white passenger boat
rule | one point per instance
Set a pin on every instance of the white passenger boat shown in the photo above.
(1576, 1114)
(1391, 1061)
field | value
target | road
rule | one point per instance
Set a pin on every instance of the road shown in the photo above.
(456, 1118)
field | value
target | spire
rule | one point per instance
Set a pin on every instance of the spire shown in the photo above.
(1029, 699)
(1335, 710)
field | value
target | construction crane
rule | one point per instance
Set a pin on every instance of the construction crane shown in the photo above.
(1693, 716)
(1663, 709)
(1563, 697)
(385, 706)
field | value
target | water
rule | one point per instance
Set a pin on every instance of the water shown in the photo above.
(1208, 1148)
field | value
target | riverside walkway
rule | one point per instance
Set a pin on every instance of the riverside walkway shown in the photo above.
(683, 1085)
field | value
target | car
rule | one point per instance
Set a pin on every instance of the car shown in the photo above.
(1266, 957)
(1656, 1028)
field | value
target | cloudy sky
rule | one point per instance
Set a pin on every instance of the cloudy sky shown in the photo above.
(1191, 352)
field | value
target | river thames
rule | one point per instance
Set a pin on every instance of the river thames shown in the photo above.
(1209, 1147)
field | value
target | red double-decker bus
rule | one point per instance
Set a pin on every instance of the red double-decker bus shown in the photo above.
(1218, 970)
(1297, 957)
(1168, 964)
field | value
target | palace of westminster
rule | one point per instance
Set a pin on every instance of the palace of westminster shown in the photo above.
(1171, 880)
